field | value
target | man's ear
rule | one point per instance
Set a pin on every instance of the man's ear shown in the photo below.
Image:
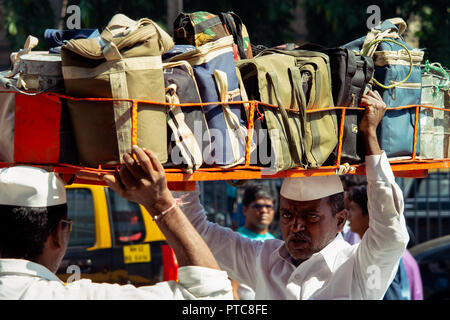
(244, 210)
(56, 237)
(341, 217)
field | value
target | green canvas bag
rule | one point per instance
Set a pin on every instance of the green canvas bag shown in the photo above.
(123, 63)
(434, 123)
(321, 128)
(272, 79)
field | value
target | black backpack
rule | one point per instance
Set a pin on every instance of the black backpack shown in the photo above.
(350, 75)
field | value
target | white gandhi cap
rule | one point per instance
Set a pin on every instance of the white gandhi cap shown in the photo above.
(30, 187)
(311, 188)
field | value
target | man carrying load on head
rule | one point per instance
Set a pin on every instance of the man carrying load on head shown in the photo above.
(314, 261)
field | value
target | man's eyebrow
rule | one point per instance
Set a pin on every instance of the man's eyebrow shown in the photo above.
(308, 211)
(312, 210)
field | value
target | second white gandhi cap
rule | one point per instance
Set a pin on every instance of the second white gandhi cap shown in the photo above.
(30, 187)
(311, 188)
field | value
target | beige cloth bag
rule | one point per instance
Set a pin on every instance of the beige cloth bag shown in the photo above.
(123, 63)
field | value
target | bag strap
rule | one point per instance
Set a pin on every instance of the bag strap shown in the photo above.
(273, 81)
(240, 40)
(234, 25)
(369, 68)
(399, 23)
(296, 80)
(230, 118)
(29, 45)
(184, 138)
(410, 62)
(391, 28)
(351, 64)
(244, 95)
(140, 31)
(187, 65)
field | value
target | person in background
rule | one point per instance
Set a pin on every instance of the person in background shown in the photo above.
(410, 264)
(413, 272)
(35, 232)
(348, 182)
(359, 223)
(258, 209)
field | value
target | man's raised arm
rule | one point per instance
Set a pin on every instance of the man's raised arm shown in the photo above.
(143, 181)
(382, 245)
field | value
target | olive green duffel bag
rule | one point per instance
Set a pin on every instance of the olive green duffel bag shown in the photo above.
(295, 81)
(123, 63)
(321, 128)
(278, 131)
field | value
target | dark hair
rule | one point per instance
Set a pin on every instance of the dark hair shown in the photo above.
(358, 194)
(24, 230)
(352, 180)
(336, 201)
(254, 192)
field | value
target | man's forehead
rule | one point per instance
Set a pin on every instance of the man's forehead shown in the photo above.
(263, 200)
(294, 204)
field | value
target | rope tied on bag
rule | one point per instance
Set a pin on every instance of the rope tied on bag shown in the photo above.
(371, 44)
(437, 67)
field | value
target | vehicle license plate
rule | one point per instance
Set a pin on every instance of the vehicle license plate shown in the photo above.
(136, 253)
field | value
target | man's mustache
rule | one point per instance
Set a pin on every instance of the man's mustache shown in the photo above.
(299, 236)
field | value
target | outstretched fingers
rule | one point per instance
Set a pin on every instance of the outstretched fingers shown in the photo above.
(144, 161)
(113, 181)
(154, 160)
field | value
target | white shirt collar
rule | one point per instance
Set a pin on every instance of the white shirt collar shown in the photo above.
(328, 253)
(25, 268)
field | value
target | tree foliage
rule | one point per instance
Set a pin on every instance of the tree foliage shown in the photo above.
(330, 23)
(26, 17)
(334, 23)
(267, 21)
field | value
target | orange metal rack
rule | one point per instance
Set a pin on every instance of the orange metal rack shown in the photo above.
(178, 179)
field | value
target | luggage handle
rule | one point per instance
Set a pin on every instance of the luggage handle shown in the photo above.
(244, 95)
(410, 62)
(273, 80)
(399, 23)
(29, 45)
(140, 31)
(233, 23)
(296, 79)
(188, 67)
(193, 156)
(230, 118)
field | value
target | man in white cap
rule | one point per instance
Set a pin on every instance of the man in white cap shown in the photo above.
(314, 261)
(35, 230)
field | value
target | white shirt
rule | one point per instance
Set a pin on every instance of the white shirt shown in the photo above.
(22, 279)
(338, 271)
